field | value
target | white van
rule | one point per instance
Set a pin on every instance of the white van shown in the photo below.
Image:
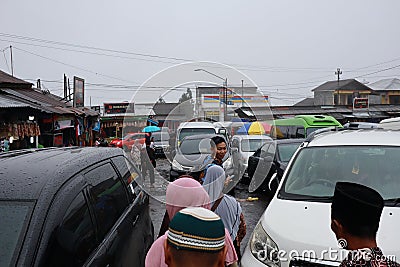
(295, 228)
(392, 123)
(193, 128)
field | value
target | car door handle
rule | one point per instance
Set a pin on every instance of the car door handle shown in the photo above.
(135, 220)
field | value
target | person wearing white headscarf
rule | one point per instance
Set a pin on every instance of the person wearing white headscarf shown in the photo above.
(227, 207)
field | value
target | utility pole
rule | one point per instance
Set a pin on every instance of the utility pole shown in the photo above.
(12, 63)
(65, 87)
(338, 72)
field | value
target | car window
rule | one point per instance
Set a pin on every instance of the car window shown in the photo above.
(235, 143)
(160, 136)
(251, 145)
(316, 170)
(109, 198)
(194, 131)
(286, 151)
(300, 132)
(74, 239)
(195, 146)
(129, 175)
(14, 218)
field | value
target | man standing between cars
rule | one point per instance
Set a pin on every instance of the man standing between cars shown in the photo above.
(355, 215)
(148, 160)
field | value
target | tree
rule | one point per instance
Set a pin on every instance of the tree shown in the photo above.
(186, 96)
(186, 103)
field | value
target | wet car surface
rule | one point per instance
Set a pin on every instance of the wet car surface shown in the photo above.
(72, 207)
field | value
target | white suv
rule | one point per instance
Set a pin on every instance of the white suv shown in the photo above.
(295, 228)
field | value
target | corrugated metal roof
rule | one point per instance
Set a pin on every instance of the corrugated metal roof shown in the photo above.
(9, 102)
(47, 102)
(349, 84)
(6, 80)
(386, 85)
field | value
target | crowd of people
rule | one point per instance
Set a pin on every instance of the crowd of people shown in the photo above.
(203, 226)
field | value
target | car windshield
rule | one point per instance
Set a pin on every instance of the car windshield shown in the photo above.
(251, 145)
(160, 136)
(287, 150)
(316, 170)
(195, 131)
(195, 146)
(14, 217)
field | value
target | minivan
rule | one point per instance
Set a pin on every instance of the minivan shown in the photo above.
(301, 126)
(296, 223)
(72, 207)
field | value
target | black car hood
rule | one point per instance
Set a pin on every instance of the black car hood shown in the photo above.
(190, 160)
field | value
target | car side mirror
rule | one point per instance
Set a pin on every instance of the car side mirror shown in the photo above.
(222, 131)
(273, 183)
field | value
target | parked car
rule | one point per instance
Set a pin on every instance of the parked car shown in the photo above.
(128, 140)
(361, 124)
(161, 143)
(271, 158)
(391, 123)
(298, 216)
(192, 152)
(301, 126)
(194, 128)
(72, 207)
(243, 146)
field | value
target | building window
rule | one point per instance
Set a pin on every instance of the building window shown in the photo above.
(394, 99)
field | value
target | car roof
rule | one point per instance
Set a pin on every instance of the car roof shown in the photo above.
(356, 137)
(245, 136)
(202, 136)
(196, 124)
(25, 173)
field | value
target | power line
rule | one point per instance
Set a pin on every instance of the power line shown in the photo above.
(390, 68)
(72, 66)
(90, 47)
(239, 66)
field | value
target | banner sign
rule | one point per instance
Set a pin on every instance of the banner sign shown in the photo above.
(360, 103)
(118, 108)
(79, 92)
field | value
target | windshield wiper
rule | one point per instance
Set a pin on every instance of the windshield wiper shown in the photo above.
(290, 196)
(394, 201)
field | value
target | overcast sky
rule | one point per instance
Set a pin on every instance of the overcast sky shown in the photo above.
(286, 48)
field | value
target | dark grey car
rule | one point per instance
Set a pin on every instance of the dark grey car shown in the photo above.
(272, 157)
(72, 207)
(192, 152)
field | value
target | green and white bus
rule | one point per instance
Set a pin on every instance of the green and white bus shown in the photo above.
(301, 126)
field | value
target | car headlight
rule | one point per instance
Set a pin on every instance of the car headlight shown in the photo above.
(263, 247)
(176, 165)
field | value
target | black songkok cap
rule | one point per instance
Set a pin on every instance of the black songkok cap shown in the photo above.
(356, 206)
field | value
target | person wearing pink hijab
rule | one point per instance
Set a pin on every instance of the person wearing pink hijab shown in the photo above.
(185, 192)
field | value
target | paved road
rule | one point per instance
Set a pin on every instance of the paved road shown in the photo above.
(252, 209)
